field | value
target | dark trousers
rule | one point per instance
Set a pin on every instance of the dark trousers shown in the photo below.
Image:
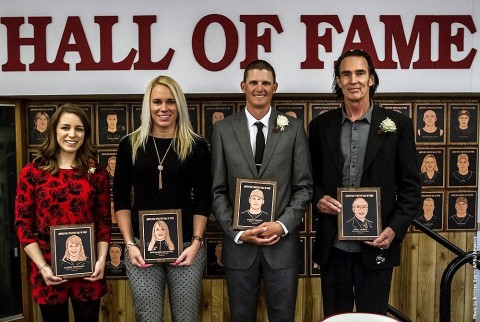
(346, 281)
(280, 290)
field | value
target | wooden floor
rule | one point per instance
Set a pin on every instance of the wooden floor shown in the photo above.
(415, 288)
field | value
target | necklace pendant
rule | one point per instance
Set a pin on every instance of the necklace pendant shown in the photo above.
(160, 167)
(160, 183)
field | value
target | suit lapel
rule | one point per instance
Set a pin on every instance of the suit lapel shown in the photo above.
(241, 131)
(272, 140)
(333, 133)
(375, 140)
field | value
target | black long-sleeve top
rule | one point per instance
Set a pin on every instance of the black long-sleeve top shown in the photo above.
(186, 185)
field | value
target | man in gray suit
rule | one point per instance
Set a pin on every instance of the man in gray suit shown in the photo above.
(270, 250)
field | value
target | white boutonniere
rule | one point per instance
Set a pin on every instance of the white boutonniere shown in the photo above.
(282, 123)
(91, 169)
(387, 126)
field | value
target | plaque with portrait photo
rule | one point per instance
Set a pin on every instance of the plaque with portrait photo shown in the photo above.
(88, 109)
(430, 122)
(38, 118)
(213, 226)
(194, 116)
(73, 250)
(161, 237)
(462, 211)
(32, 154)
(108, 159)
(462, 167)
(463, 127)
(112, 123)
(360, 216)
(313, 219)
(115, 267)
(303, 262)
(254, 203)
(402, 108)
(431, 210)
(211, 114)
(114, 228)
(214, 266)
(432, 167)
(314, 268)
(302, 227)
(315, 109)
(295, 110)
(136, 113)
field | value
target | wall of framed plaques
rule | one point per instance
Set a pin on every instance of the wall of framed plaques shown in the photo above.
(446, 136)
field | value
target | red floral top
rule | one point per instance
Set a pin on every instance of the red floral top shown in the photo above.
(66, 198)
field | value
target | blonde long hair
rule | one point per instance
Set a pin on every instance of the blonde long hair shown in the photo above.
(74, 239)
(168, 239)
(184, 134)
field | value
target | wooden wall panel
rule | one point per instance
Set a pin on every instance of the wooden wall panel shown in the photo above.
(415, 284)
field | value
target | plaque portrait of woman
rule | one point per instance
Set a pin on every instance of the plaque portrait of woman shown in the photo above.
(430, 172)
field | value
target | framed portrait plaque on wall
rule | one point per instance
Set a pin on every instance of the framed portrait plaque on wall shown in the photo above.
(115, 267)
(161, 235)
(73, 250)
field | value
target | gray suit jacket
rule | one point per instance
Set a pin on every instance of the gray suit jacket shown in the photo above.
(286, 160)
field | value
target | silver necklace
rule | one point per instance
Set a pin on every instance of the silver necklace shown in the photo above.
(160, 163)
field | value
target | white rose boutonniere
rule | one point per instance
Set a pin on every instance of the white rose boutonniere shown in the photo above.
(387, 126)
(282, 123)
(91, 169)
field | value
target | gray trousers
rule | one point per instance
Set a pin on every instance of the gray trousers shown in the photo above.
(184, 289)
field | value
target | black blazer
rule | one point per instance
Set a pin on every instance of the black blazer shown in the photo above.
(390, 163)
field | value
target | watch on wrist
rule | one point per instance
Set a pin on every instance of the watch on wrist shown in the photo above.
(199, 238)
(130, 245)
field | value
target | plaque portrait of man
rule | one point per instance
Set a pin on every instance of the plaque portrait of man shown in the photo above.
(254, 203)
(215, 267)
(359, 217)
(431, 212)
(111, 124)
(359, 221)
(254, 215)
(464, 124)
(430, 124)
(462, 168)
(461, 217)
(38, 119)
(213, 113)
(115, 265)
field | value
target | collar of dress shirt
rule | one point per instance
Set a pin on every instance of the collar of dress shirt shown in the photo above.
(251, 120)
(367, 116)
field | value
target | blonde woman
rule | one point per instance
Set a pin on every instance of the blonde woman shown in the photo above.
(430, 174)
(168, 167)
(74, 251)
(161, 240)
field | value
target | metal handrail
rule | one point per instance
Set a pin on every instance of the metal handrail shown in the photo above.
(447, 277)
(445, 284)
(439, 239)
(397, 314)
